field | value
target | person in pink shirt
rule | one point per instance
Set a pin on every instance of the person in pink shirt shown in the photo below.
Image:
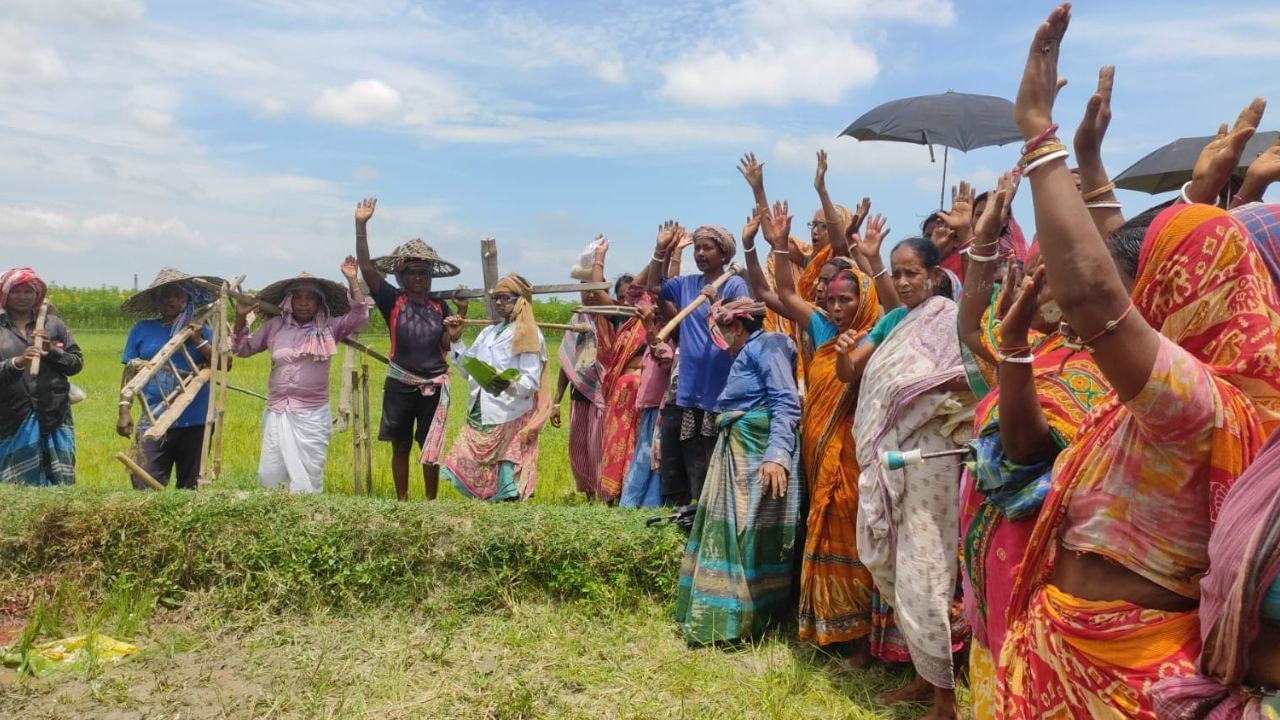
(295, 426)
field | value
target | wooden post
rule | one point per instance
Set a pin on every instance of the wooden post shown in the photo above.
(489, 262)
(365, 429)
(357, 443)
(224, 384)
(344, 420)
(210, 413)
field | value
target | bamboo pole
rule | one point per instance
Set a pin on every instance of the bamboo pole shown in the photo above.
(575, 327)
(615, 310)
(162, 356)
(136, 469)
(224, 374)
(211, 410)
(193, 387)
(41, 315)
(489, 265)
(674, 323)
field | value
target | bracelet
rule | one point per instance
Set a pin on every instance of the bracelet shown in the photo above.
(1238, 200)
(749, 248)
(1017, 360)
(882, 273)
(1047, 149)
(1014, 349)
(1107, 329)
(975, 246)
(659, 258)
(975, 257)
(1039, 139)
(1059, 155)
(1182, 195)
(783, 251)
(1099, 204)
(1098, 192)
(202, 345)
(126, 403)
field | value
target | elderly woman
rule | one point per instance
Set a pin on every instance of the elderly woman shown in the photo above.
(166, 308)
(316, 314)
(496, 455)
(913, 395)
(415, 395)
(689, 432)
(1177, 312)
(37, 437)
(738, 565)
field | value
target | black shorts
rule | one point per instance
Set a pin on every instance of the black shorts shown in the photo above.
(406, 413)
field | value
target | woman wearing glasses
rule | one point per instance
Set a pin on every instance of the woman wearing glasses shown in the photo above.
(496, 454)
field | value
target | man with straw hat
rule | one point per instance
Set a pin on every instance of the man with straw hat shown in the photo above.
(318, 313)
(415, 394)
(164, 309)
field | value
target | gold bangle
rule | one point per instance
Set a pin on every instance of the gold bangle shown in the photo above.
(1098, 192)
(1042, 151)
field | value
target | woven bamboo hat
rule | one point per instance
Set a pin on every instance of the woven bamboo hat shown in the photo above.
(335, 295)
(143, 303)
(415, 249)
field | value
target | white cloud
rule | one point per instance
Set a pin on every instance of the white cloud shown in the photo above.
(22, 63)
(21, 228)
(154, 120)
(272, 108)
(360, 103)
(90, 13)
(770, 67)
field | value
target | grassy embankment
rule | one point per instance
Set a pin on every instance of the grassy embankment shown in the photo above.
(251, 604)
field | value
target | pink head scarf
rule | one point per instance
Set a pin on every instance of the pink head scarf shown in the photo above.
(11, 279)
(726, 313)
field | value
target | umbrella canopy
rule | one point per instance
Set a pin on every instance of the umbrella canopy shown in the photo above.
(951, 119)
(1167, 168)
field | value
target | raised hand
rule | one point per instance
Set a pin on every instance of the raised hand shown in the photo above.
(644, 311)
(683, 239)
(244, 308)
(1033, 110)
(1009, 288)
(350, 268)
(960, 217)
(602, 249)
(364, 210)
(855, 223)
(777, 225)
(1016, 323)
(820, 177)
(453, 326)
(1262, 172)
(1220, 158)
(667, 235)
(752, 170)
(868, 243)
(461, 303)
(750, 228)
(1009, 182)
(1097, 115)
(993, 217)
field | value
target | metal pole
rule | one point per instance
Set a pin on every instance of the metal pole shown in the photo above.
(942, 194)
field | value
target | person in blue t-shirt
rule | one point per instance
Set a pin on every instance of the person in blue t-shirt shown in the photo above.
(166, 307)
(688, 432)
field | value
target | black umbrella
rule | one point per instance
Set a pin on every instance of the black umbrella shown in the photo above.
(1169, 167)
(951, 119)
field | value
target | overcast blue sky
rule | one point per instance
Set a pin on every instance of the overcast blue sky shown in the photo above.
(237, 136)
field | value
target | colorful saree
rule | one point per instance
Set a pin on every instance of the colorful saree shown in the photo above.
(618, 348)
(738, 565)
(1244, 562)
(579, 362)
(1202, 285)
(495, 462)
(908, 518)
(835, 587)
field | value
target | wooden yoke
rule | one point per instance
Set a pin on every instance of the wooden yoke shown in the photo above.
(719, 282)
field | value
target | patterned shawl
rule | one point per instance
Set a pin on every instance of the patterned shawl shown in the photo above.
(1201, 284)
(316, 340)
(579, 360)
(1263, 222)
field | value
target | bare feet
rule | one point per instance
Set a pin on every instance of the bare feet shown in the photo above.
(857, 655)
(918, 690)
(944, 705)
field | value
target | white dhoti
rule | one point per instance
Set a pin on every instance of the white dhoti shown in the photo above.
(294, 445)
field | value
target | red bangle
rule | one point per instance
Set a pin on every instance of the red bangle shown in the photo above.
(1039, 140)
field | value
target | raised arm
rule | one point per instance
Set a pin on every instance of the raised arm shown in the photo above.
(1086, 284)
(868, 247)
(777, 230)
(960, 217)
(676, 255)
(756, 278)
(1024, 430)
(1096, 188)
(364, 211)
(358, 314)
(598, 297)
(835, 221)
(667, 232)
(1262, 172)
(979, 278)
(753, 171)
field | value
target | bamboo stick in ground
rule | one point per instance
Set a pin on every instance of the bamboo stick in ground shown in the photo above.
(211, 409)
(41, 315)
(674, 323)
(136, 469)
(352, 388)
(365, 429)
